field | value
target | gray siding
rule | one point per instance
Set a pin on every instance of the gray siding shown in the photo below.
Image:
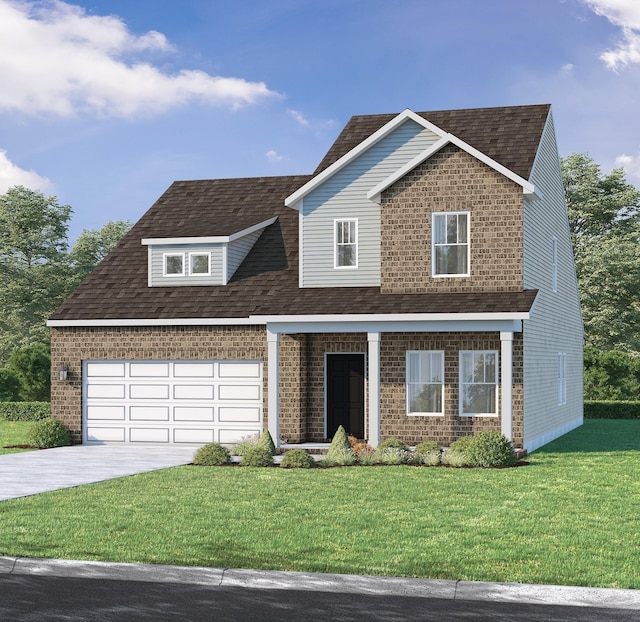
(157, 254)
(343, 196)
(238, 250)
(556, 324)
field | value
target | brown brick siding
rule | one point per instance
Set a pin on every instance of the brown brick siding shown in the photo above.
(452, 180)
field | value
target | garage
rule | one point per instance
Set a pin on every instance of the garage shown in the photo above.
(167, 402)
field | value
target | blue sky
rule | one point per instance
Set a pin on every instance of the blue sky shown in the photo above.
(105, 102)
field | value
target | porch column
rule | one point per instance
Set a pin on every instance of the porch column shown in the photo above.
(373, 340)
(273, 384)
(506, 374)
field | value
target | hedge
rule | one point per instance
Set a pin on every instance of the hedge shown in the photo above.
(25, 411)
(611, 410)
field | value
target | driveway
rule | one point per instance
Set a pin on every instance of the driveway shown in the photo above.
(33, 472)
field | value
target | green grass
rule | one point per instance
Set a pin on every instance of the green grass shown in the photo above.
(13, 433)
(570, 517)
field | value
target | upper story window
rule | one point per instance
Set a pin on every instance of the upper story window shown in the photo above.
(554, 264)
(562, 378)
(425, 382)
(450, 254)
(346, 244)
(173, 264)
(200, 263)
(478, 383)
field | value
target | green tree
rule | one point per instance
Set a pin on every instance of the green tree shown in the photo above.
(93, 245)
(611, 375)
(33, 265)
(9, 386)
(32, 367)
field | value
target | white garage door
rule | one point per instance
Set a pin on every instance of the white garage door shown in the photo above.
(171, 401)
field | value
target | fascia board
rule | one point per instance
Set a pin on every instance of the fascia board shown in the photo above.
(396, 317)
(293, 199)
(106, 323)
(214, 239)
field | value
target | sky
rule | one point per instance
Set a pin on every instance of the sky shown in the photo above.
(104, 103)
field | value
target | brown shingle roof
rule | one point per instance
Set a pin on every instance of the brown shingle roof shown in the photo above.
(267, 281)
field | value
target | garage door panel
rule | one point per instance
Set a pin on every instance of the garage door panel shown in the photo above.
(247, 413)
(193, 370)
(109, 413)
(193, 392)
(149, 391)
(242, 392)
(237, 369)
(106, 391)
(96, 434)
(149, 413)
(194, 413)
(233, 435)
(186, 435)
(106, 370)
(149, 435)
(149, 370)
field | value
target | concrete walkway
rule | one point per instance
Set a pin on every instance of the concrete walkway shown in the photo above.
(33, 472)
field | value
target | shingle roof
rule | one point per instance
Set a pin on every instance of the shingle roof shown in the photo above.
(267, 281)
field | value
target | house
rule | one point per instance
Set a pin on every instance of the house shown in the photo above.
(419, 284)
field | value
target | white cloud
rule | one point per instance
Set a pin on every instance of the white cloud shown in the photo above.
(57, 59)
(631, 164)
(626, 15)
(299, 117)
(12, 175)
(273, 156)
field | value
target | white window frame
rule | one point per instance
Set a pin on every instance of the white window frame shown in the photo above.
(409, 382)
(436, 215)
(200, 254)
(562, 378)
(554, 264)
(462, 383)
(336, 244)
(165, 256)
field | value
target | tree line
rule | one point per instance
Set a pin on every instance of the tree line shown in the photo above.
(38, 270)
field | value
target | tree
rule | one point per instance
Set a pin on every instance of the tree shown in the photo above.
(33, 265)
(9, 386)
(611, 375)
(32, 367)
(93, 245)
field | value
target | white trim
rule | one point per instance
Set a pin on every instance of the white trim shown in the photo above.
(460, 383)
(204, 321)
(149, 267)
(398, 317)
(335, 243)
(543, 439)
(215, 239)
(554, 264)
(164, 265)
(408, 353)
(293, 199)
(206, 254)
(225, 264)
(373, 379)
(300, 247)
(506, 383)
(562, 378)
(467, 273)
(273, 386)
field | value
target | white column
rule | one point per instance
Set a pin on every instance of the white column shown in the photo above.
(373, 340)
(506, 374)
(273, 384)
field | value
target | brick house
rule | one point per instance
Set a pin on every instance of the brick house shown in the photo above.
(419, 284)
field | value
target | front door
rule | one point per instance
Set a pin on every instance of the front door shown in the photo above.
(345, 394)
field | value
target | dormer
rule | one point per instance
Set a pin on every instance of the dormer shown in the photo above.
(208, 260)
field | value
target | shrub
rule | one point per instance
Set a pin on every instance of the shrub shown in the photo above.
(266, 442)
(48, 433)
(297, 459)
(428, 453)
(25, 411)
(212, 454)
(359, 446)
(9, 386)
(393, 443)
(245, 442)
(257, 457)
(367, 457)
(392, 455)
(490, 449)
(610, 410)
(339, 457)
(340, 447)
(456, 454)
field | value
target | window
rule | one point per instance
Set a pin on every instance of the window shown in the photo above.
(425, 382)
(478, 383)
(346, 244)
(450, 255)
(554, 263)
(199, 263)
(562, 378)
(174, 264)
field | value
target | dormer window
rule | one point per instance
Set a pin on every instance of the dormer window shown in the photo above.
(174, 264)
(346, 244)
(450, 254)
(199, 263)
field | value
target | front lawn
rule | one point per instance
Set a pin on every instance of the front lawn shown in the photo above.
(570, 517)
(13, 433)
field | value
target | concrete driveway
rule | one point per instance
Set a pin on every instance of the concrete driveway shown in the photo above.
(33, 472)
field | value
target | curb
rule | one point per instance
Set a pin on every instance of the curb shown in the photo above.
(353, 584)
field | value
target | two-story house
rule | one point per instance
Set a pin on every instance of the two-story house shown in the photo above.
(419, 284)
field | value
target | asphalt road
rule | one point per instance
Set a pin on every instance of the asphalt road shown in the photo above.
(41, 599)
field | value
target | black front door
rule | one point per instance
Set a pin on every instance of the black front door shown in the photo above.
(345, 394)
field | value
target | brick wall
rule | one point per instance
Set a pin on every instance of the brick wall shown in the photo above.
(449, 181)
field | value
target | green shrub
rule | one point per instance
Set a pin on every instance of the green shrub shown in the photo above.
(456, 455)
(393, 443)
(25, 411)
(48, 433)
(490, 449)
(428, 453)
(257, 457)
(9, 386)
(245, 442)
(340, 456)
(367, 457)
(212, 454)
(297, 459)
(340, 448)
(612, 410)
(267, 443)
(391, 455)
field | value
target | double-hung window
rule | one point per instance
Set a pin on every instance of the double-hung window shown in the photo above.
(562, 378)
(425, 382)
(346, 244)
(173, 264)
(450, 252)
(478, 383)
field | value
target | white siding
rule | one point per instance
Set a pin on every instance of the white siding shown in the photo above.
(238, 250)
(343, 196)
(157, 265)
(556, 324)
